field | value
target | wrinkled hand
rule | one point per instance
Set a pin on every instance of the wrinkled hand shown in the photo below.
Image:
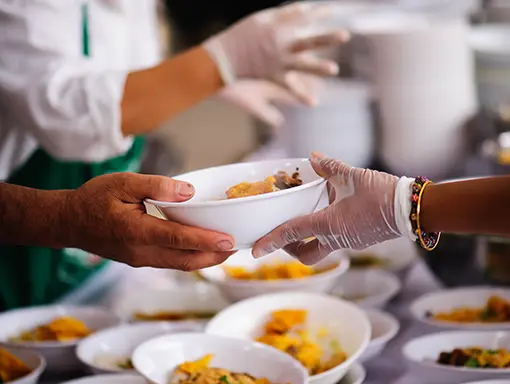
(271, 42)
(107, 217)
(261, 98)
(361, 213)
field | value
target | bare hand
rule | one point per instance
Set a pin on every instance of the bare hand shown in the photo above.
(107, 217)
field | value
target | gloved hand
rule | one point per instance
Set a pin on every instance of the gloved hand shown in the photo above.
(257, 97)
(270, 42)
(366, 207)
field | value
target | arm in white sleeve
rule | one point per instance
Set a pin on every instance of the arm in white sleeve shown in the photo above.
(72, 108)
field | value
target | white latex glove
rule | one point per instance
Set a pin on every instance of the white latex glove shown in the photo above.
(366, 207)
(270, 42)
(258, 97)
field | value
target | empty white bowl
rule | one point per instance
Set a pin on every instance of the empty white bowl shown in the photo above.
(368, 288)
(246, 219)
(345, 323)
(236, 289)
(109, 379)
(60, 356)
(449, 299)
(33, 360)
(384, 328)
(199, 298)
(396, 256)
(422, 353)
(102, 351)
(156, 359)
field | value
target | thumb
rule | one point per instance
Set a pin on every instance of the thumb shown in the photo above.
(327, 167)
(136, 188)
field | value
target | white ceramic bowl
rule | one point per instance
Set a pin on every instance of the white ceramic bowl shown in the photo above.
(397, 256)
(345, 322)
(60, 357)
(449, 299)
(489, 382)
(245, 219)
(197, 298)
(33, 360)
(368, 288)
(156, 359)
(423, 351)
(384, 328)
(109, 379)
(235, 289)
(102, 351)
(355, 375)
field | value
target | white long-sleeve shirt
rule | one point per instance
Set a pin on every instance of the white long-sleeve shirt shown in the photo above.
(53, 97)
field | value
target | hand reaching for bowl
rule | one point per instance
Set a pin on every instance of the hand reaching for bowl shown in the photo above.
(361, 213)
(107, 217)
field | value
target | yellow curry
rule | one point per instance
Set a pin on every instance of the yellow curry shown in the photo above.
(11, 368)
(286, 330)
(275, 271)
(61, 329)
(275, 183)
(497, 310)
(200, 372)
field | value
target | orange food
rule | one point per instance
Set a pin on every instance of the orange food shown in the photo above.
(275, 271)
(11, 368)
(60, 329)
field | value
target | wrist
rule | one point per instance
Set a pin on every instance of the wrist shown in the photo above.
(402, 204)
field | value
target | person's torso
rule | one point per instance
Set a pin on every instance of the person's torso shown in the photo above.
(123, 34)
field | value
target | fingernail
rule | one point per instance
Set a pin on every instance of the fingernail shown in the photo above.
(184, 189)
(317, 155)
(263, 252)
(225, 245)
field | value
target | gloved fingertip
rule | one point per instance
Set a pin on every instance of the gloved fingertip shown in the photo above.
(316, 156)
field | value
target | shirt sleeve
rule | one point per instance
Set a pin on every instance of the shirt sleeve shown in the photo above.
(50, 89)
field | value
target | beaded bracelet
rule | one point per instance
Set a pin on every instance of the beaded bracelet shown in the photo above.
(427, 241)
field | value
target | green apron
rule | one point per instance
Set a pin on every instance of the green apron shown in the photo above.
(34, 275)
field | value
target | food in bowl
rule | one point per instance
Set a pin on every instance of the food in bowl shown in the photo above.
(282, 180)
(367, 260)
(200, 372)
(172, 315)
(276, 271)
(11, 368)
(476, 358)
(496, 310)
(286, 330)
(108, 361)
(63, 329)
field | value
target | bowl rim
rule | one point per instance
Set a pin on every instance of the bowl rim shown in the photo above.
(451, 368)
(121, 329)
(104, 376)
(380, 297)
(241, 342)
(341, 268)
(350, 360)
(55, 307)
(390, 319)
(240, 200)
(413, 308)
(37, 371)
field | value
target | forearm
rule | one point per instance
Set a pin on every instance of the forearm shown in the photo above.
(32, 217)
(155, 95)
(480, 206)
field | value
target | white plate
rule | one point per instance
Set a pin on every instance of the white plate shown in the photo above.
(60, 357)
(345, 323)
(449, 299)
(102, 351)
(236, 289)
(156, 359)
(422, 353)
(384, 328)
(246, 219)
(368, 288)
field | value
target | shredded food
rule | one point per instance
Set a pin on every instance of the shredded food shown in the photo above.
(286, 331)
(172, 316)
(274, 183)
(275, 271)
(476, 358)
(200, 372)
(11, 368)
(497, 310)
(60, 329)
